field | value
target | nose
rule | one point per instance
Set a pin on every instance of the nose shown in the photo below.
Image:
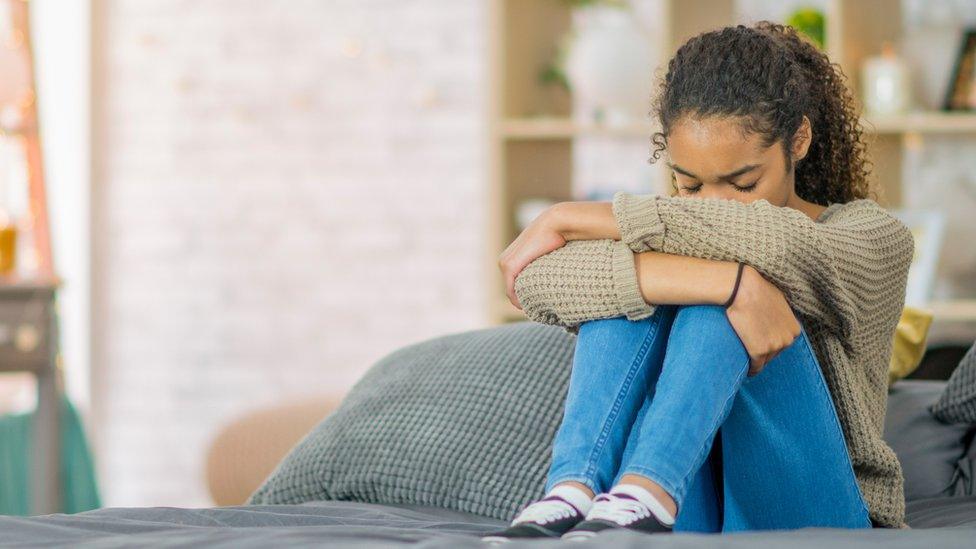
(716, 191)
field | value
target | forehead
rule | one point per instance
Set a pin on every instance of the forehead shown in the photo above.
(714, 144)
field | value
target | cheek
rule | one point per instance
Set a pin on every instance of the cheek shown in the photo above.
(771, 194)
(775, 193)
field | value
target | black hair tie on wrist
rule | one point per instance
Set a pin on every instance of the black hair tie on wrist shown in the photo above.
(735, 289)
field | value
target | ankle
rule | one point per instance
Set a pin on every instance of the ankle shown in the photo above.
(578, 485)
(654, 488)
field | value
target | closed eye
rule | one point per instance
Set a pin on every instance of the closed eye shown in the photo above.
(689, 190)
(747, 188)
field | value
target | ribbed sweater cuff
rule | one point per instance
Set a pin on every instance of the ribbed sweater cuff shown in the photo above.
(625, 283)
(638, 221)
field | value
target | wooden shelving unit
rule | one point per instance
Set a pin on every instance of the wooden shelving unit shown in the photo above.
(531, 131)
(28, 308)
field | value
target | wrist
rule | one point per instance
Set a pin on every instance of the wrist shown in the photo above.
(557, 218)
(739, 271)
(746, 287)
(721, 282)
(582, 220)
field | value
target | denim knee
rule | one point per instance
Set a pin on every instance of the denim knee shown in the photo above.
(702, 313)
(608, 323)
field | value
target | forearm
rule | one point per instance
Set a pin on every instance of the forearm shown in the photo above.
(783, 244)
(667, 279)
(585, 220)
(825, 269)
(676, 274)
(756, 233)
(664, 279)
(590, 279)
(780, 242)
(583, 280)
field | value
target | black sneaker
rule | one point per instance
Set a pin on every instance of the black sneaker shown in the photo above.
(616, 510)
(549, 517)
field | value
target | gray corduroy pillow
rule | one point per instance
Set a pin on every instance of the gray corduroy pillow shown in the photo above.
(957, 404)
(463, 421)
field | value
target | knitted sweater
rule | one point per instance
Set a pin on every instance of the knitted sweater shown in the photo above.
(844, 275)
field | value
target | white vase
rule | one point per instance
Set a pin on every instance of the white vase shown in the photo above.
(609, 65)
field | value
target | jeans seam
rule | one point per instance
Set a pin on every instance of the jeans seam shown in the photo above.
(615, 409)
(822, 384)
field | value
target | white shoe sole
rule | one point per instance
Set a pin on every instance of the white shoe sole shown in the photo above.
(578, 536)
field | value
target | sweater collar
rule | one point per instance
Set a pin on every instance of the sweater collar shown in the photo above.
(824, 215)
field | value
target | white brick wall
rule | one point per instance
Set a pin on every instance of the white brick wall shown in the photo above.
(273, 212)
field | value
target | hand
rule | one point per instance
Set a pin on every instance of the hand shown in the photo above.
(538, 239)
(762, 318)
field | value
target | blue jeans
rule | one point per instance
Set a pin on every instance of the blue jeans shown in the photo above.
(668, 398)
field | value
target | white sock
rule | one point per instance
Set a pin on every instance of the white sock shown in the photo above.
(574, 495)
(647, 498)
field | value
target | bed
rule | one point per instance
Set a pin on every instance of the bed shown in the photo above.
(937, 522)
(426, 451)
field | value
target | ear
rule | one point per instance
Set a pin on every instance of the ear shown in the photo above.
(801, 140)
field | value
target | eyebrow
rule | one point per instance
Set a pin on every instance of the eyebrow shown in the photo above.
(727, 177)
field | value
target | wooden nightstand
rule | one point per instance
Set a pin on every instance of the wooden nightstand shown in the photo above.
(29, 343)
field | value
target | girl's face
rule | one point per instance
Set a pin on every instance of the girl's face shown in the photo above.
(713, 158)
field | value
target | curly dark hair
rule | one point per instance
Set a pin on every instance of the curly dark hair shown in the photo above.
(771, 77)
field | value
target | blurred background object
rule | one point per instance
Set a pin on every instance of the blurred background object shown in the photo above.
(45, 461)
(810, 22)
(609, 64)
(886, 83)
(928, 228)
(252, 202)
(961, 94)
(246, 450)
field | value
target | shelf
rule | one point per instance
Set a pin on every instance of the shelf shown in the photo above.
(565, 128)
(15, 132)
(14, 283)
(921, 122)
(542, 128)
(961, 310)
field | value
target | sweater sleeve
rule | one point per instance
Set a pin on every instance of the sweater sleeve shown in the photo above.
(583, 280)
(827, 270)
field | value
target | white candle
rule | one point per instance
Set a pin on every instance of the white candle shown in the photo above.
(885, 81)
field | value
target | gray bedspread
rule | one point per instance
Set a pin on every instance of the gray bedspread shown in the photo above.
(943, 522)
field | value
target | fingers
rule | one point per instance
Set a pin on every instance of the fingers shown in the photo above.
(774, 354)
(756, 364)
(510, 274)
(759, 361)
(510, 290)
(787, 340)
(512, 298)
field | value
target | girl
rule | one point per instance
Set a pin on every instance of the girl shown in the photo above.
(732, 339)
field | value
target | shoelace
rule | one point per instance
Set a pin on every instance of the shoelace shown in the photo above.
(544, 511)
(617, 509)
